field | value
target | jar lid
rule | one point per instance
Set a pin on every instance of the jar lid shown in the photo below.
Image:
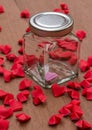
(51, 24)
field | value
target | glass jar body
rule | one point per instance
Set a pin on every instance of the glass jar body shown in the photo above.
(51, 60)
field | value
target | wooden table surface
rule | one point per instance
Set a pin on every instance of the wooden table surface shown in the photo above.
(13, 29)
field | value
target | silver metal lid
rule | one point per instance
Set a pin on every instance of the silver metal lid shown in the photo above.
(51, 24)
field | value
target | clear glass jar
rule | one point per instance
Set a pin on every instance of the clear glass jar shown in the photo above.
(51, 50)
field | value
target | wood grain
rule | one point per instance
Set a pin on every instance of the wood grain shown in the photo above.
(14, 28)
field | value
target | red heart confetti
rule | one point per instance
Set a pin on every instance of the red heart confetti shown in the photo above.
(64, 111)
(55, 119)
(83, 125)
(64, 7)
(89, 80)
(5, 112)
(73, 85)
(25, 84)
(58, 90)
(17, 70)
(19, 60)
(21, 50)
(0, 28)
(88, 74)
(21, 41)
(4, 124)
(76, 113)
(11, 57)
(75, 102)
(1, 9)
(31, 59)
(21, 97)
(28, 29)
(73, 59)
(81, 34)
(73, 94)
(5, 49)
(38, 95)
(2, 94)
(25, 14)
(1, 70)
(22, 117)
(89, 60)
(1, 61)
(87, 92)
(7, 98)
(84, 65)
(85, 83)
(65, 55)
(67, 44)
(7, 75)
(70, 107)
(25, 93)
(15, 105)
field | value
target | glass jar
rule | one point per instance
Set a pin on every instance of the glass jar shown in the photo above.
(51, 50)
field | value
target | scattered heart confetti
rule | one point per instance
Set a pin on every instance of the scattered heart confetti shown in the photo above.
(21, 41)
(85, 83)
(15, 105)
(1, 9)
(11, 57)
(65, 111)
(7, 98)
(81, 34)
(21, 97)
(25, 84)
(87, 92)
(25, 14)
(89, 60)
(22, 117)
(2, 94)
(4, 124)
(88, 74)
(83, 124)
(21, 50)
(1, 70)
(73, 94)
(17, 70)
(28, 29)
(63, 9)
(1, 61)
(58, 90)
(7, 75)
(84, 66)
(67, 44)
(73, 85)
(38, 95)
(0, 28)
(19, 60)
(5, 49)
(55, 119)
(73, 59)
(5, 112)
(76, 113)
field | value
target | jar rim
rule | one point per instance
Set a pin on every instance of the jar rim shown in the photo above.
(51, 24)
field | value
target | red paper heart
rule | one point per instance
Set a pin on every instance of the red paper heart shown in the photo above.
(58, 90)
